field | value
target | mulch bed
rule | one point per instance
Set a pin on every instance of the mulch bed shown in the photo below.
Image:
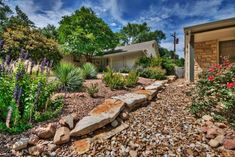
(80, 103)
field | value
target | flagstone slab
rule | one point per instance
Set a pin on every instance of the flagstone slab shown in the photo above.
(98, 117)
(111, 133)
(156, 85)
(132, 100)
(149, 93)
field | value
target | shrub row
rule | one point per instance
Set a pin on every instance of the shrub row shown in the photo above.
(119, 81)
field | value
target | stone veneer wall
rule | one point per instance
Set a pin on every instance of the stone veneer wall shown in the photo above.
(205, 55)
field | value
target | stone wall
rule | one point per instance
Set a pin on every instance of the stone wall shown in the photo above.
(206, 53)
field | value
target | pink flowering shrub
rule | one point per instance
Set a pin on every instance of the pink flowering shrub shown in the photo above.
(215, 91)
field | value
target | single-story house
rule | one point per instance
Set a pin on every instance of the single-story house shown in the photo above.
(122, 56)
(206, 44)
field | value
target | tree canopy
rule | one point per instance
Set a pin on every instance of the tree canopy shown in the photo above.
(83, 33)
(137, 33)
(4, 12)
(31, 40)
(50, 31)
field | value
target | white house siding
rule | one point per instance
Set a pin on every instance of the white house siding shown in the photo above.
(119, 62)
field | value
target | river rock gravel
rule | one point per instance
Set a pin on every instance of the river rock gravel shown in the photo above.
(165, 127)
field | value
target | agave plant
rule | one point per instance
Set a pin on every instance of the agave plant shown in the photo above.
(70, 77)
(89, 70)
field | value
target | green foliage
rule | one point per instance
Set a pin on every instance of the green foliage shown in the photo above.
(113, 80)
(53, 110)
(4, 13)
(125, 70)
(22, 96)
(50, 31)
(119, 81)
(152, 72)
(93, 89)
(20, 19)
(37, 45)
(137, 33)
(83, 33)
(70, 77)
(145, 61)
(132, 79)
(169, 65)
(89, 70)
(215, 92)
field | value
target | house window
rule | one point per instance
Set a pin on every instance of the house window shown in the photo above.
(227, 49)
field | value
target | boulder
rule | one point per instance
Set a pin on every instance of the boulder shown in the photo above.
(33, 139)
(132, 100)
(229, 144)
(36, 150)
(67, 120)
(220, 139)
(62, 136)
(100, 116)
(133, 153)
(82, 146)
(221, 125)
(47, 132)
(149, 93)
(21, 144)
(157, 85)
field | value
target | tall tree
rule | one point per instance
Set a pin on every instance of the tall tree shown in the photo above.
(50, 31)
(83, 33)
(20, 19)
(4, 13)
(136, 33)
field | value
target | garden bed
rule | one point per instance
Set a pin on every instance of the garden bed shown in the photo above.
(80, 103)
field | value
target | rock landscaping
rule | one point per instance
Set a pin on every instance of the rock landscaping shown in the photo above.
(122, 126)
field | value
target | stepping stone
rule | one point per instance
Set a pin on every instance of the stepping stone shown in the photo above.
(133, 100)
(101, 115)
(156, 85)
(149, 93)
(82, 146)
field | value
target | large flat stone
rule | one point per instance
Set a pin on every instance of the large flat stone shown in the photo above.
(156, 85)
(149, 93)
(111, 133)
(100, 116)
(133, 100)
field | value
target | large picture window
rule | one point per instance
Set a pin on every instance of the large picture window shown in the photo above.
(227, 49)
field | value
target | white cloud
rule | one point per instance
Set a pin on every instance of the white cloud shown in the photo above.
(52, 16)
(115, 9)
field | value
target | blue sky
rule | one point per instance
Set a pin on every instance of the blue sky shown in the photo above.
(166, 15)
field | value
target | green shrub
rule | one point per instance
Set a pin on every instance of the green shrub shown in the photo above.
(89, 71)
(145, 61)
(92, 89)
(132, 79)
(125, 70)
(70, 77)
(22, 96)
(169, 65)
(215, 92)
(152, 73)
(113, 80)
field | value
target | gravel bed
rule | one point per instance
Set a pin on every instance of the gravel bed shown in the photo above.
(163, 128)
(80, 103)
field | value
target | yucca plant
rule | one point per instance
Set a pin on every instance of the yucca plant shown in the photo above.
(89, 70)
(70, 77)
